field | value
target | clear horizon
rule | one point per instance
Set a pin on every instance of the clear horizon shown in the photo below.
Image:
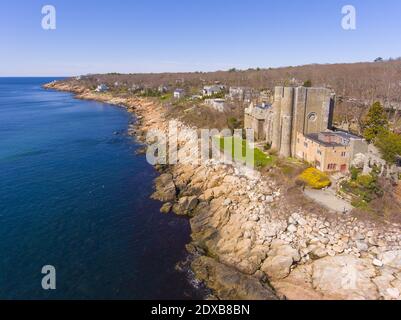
(172, 36)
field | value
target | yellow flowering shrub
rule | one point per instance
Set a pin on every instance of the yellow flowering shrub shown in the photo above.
(314, 178)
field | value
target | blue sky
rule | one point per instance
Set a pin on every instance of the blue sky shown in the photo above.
(191, 35)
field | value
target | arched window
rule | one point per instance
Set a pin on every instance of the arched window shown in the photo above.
(312, 116)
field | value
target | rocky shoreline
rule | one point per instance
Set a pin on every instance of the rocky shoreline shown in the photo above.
(250, 242)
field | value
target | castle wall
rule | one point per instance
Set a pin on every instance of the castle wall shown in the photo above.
(304, 110)
(256, 125)
(313, 110)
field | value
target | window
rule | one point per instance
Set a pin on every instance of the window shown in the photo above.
(343, 154)
(332, 166)
(319, 152)
(318, 164)
(305, 144)
(312, 117)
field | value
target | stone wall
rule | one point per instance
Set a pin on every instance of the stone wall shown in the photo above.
(305, 110)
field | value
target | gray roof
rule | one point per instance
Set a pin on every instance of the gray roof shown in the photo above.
(346, 135)
(315, 137)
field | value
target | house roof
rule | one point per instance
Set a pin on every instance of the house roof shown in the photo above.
(347, 135)
(315, 137)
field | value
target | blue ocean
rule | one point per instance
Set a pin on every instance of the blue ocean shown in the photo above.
(74, 195)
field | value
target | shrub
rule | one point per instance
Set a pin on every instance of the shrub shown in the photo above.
(233, 123)
(365, 181)
(389, 144)
(354, 173)
(314, 178)
(363, 189)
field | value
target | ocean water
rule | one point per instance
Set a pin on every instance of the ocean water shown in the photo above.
(74, 195)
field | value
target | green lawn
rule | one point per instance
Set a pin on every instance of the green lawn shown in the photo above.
(259, 160)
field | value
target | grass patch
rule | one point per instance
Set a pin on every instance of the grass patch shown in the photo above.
(240, 149)
(166, 96)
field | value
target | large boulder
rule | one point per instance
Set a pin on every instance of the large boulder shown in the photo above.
(279, 261)
(345, 277)
(298, 285)
(165, 188)
(228, 283)
(185, 205)
(392, 259)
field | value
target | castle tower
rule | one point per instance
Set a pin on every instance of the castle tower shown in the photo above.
(275, 138)
(287, 112)
(301, 109)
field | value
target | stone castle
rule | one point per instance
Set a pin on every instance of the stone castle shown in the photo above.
(305, 110)
(299, 124)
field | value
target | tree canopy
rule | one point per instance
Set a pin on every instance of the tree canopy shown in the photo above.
(375, 123)
(389, 144)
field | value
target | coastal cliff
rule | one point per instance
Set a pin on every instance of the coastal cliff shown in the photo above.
(250, 242)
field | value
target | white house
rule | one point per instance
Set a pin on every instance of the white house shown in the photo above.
(236, 93)
(242, 94)
(102, 88)
(217, 104)
(211, 90)
(162, 89)
(179, 93)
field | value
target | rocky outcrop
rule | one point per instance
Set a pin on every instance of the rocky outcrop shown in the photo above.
(229, 284)
(185, 205)
(165, 188)
(279, 260)
(345, 277)
(244, 223)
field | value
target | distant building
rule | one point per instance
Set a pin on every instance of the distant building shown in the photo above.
(217, 104)
(211, 90)
(136, 87)
(255, 118)
(330, 151)
(265, 96)
(102, 88)
(179, 93)
(241, 93)
(236, 93)
(162, 89)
